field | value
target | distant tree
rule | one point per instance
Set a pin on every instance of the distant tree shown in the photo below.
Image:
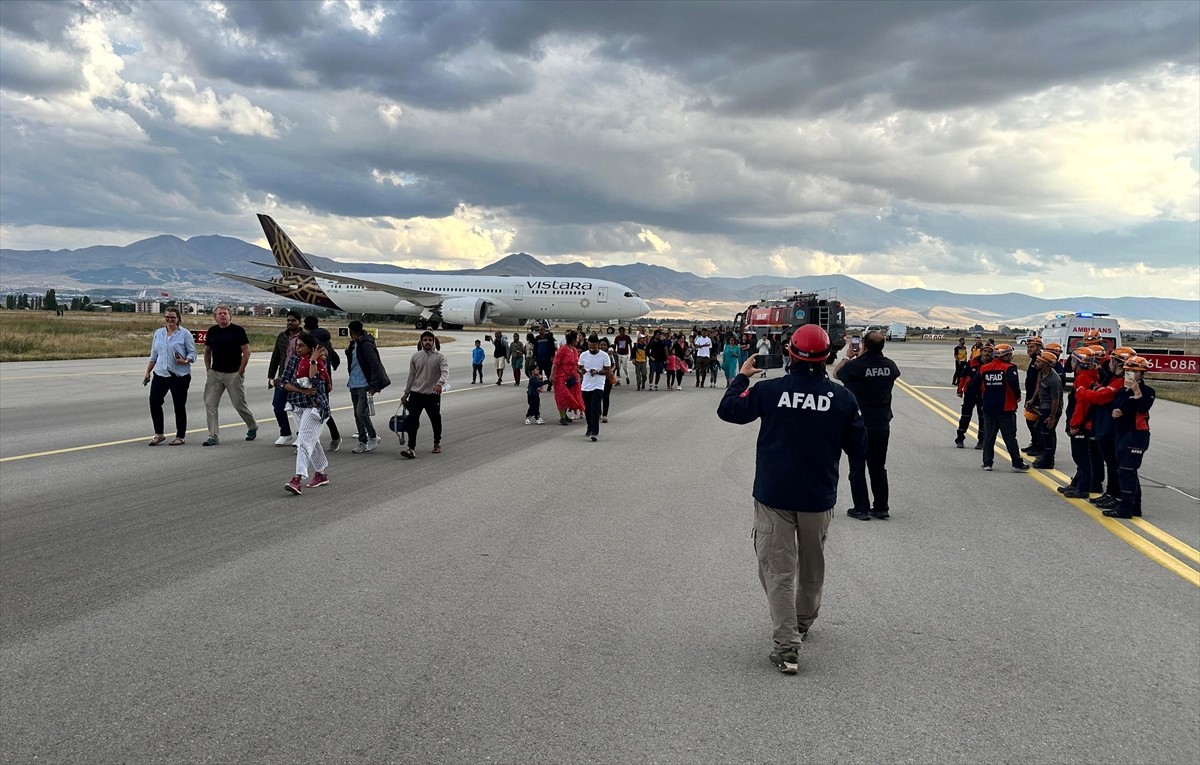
(76, 303)
(10, 301)
(50, 301)
(23, 301)
(87, 304)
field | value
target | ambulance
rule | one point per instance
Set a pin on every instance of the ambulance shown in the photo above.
(1068, 329)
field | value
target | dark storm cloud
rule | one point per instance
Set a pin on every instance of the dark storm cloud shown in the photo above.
(299, 46)
(779, 57)
(39, 21)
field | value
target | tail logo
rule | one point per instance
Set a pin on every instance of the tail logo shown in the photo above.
(302, 288)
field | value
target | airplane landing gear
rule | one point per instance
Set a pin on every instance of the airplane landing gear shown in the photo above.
(422, 324)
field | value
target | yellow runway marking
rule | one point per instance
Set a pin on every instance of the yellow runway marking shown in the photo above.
(87, 447)
(1113, 525)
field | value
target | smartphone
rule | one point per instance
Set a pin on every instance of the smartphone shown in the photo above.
(768, 361)
(855, 343)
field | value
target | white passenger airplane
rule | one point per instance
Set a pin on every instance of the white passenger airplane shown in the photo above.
(438, 299)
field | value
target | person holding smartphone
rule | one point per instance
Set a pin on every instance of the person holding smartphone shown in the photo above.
(795, 479)
(172, 353)
(1131, 417)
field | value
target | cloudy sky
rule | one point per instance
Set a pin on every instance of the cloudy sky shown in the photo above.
(1048, 148)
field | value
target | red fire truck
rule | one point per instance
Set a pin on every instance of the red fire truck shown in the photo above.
(778, 317)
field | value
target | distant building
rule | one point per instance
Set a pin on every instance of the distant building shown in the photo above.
(146, 305)
(262, 310)
(1159, 334)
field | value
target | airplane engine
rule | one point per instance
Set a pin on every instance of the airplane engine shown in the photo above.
(469, 312)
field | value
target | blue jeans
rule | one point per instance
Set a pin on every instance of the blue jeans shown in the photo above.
(281, 416)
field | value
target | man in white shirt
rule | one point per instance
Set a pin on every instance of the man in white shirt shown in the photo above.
(594, 367)
(703, 345)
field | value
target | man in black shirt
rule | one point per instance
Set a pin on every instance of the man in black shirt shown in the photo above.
(226, 354)
(870, 378)
(656, 350)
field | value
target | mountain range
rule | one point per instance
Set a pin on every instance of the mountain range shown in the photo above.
(185, 268)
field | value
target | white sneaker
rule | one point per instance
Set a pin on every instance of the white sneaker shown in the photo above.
(528, 420)
(285, 440)
(361, 448)
(540, 421)
(373, 443)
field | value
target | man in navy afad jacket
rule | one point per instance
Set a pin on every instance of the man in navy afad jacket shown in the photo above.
(1000, 393)
(807, 422)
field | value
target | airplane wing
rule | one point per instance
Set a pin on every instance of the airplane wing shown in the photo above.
(260, 283)
(417, 297)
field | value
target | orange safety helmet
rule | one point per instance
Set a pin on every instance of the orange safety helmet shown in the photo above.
(1049, 357)
(1003, 351)
(1084, 356)
(1091, 336)
(1035, 340)
(1032, 416)
(1124, 353)
(810, 344)
(1054, 348)
(1137, 364)
(1099, 353)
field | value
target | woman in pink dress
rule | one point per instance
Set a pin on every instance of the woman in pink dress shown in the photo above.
(565, 375)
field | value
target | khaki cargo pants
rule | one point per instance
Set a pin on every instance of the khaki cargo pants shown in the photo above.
(791, 566)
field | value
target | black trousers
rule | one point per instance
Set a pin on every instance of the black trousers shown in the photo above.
(1097, 483)
(431, 404)
(876, 467)
(1081, 454)
(1037, 437)
(1108, 453)
(1047, 438)
(1130, 448)
(964, 419)
(178, 386)
(1005, 425)
(592, 401)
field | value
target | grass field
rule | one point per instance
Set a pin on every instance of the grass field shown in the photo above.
(42, 336)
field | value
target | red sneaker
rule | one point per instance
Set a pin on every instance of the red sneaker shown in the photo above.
(293, 485)
(318, 479)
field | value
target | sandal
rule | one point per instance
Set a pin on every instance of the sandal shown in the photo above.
(176, 442)
(408, 454)
(157, 440)
(436, 449)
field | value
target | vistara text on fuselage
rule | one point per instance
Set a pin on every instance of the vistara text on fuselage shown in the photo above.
(444, 298)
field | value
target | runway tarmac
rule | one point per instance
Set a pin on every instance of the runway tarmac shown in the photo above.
(529, 596)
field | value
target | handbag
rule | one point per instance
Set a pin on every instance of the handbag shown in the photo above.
(571, 382)
(396, 423)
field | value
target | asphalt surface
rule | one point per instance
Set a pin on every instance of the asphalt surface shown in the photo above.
(531, 597)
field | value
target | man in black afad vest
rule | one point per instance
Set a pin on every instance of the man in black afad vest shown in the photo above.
(807, 422)
(870, 377)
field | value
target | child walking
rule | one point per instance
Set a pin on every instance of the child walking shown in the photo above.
(534, 395)
(477, 357)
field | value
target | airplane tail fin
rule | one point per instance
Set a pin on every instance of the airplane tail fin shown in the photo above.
(282, 247)
(288, 256)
